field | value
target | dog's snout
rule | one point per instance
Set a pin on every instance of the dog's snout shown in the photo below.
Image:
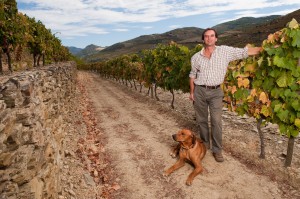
(174, 137)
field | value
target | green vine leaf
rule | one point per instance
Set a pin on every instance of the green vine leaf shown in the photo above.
(283, 115)
(297, 123)
(282, 80)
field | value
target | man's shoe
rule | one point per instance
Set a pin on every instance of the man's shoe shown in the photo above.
(218, 157)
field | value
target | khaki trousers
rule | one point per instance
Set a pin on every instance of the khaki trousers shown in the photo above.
(209, 102)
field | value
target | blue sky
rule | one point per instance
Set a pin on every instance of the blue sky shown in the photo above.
(105, 22)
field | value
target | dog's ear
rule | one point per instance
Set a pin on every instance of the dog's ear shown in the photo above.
(194, 138)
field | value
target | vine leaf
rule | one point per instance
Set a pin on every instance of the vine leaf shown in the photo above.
(263, 97)
(265, 111)
(293, 24)
(297, 122)
(282, 80)
(243, 82)
(283, 115)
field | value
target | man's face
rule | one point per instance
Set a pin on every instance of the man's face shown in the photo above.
(210, 38)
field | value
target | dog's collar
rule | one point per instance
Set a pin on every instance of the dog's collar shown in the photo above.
(187, 148)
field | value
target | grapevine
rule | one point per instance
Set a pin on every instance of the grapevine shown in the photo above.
(19, 32)
(266, 87)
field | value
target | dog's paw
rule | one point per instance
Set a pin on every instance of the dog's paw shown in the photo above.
(188, 182)
(165, 174)
(166, 177)
(173, 155)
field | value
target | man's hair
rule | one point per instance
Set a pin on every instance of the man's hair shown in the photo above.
(207, 29)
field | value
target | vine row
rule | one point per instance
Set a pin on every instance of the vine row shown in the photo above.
(266, 87)
(19, 33)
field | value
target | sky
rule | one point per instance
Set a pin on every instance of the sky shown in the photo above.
(80, 23)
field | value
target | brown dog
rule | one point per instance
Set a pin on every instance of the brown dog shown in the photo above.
(190, 148)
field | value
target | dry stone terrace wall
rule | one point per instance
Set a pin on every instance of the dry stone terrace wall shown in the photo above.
(33, 121)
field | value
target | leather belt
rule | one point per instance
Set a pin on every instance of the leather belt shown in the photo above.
(210, 87)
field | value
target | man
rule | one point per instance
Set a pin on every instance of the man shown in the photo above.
(208, 71)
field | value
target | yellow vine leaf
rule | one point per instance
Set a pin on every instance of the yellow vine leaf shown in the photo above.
(261, 59)
(233, 90)
(265, 111)
(243, 82)
(250, 67)
(293, 24)
(253, 92)
(269, 61)
(271, 38)
(263, 97)
(250, 98)
(297, 123)
(283, 39)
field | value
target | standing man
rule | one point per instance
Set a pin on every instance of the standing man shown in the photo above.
(208, 71)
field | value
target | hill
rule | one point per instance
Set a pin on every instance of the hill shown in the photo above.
(256, 33)
(185, 36)
(74, 50)
(243, 23)
(234, 33)
(87, 51)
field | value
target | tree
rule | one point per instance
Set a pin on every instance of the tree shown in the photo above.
(9, 35)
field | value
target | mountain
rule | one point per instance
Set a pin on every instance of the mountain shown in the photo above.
(243, 23)
(87, 51)
(236, 33)
(74, 50)
(185, 36)
(256, 33)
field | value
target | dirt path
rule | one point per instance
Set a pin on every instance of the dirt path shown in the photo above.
(135, 134)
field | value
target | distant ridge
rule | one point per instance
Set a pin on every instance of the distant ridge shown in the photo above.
(74, 50)
(87, 51)
(234, 33)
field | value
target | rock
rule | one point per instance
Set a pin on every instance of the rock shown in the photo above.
(32, 129)
(71, 192)
(88, 179)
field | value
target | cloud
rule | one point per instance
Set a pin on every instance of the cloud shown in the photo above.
(120, 30)
(147, 27)
(80, 17)
(174, 26)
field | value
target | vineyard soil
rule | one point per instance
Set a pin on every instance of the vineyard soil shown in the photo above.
(120, 144)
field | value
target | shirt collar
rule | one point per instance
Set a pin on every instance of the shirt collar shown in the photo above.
(202, 50)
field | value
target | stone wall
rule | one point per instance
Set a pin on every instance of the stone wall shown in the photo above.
(33, 121)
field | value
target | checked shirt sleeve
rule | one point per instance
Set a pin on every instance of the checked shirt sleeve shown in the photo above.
(235, 53)
(194, 68)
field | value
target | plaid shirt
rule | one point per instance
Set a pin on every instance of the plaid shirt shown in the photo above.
(211, 72)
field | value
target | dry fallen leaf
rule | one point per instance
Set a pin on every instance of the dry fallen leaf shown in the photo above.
(115, 186)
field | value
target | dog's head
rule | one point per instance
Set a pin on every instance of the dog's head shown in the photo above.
(185, 137)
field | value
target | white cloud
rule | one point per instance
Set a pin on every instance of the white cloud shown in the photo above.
(121, 30)
(174, 26)
(147, 27)
(81, 17)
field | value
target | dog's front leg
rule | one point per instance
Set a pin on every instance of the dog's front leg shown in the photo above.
(198, 169)
(180, 163)
(175, 151)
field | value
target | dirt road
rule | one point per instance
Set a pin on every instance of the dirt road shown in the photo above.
(135, 135)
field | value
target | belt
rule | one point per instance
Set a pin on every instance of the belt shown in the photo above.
(210, 87)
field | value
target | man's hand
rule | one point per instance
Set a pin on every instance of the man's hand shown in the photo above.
(192, 87)
(254, 50)
(192, 97)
